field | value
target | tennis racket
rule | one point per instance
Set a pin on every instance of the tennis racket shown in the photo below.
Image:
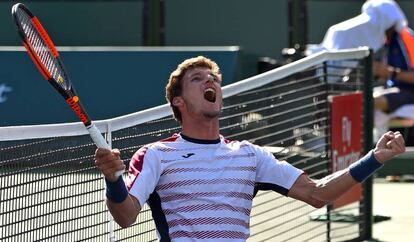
(45, 56)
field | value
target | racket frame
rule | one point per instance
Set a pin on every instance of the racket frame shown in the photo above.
(69, 93)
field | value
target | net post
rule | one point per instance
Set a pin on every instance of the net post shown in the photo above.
(111, 222)
(108, 134)
(327, 140)
(368, 144)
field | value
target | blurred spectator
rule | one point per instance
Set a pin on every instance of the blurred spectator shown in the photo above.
(384, 28)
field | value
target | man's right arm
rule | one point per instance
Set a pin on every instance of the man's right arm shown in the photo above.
(125, 213)
(123, 206)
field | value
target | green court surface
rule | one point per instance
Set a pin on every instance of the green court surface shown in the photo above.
(393, 199)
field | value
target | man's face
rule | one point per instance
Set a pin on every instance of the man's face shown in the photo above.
(201, 94)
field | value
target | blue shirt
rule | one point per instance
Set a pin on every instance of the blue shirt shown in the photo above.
(398, 57)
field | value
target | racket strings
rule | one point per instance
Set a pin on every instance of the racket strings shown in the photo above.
(41, 49)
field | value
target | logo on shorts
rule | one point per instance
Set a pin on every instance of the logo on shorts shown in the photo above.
(188, 155)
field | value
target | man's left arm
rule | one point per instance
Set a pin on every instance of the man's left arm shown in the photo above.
(324, 191)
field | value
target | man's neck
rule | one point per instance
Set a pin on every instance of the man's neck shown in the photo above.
(205, 130)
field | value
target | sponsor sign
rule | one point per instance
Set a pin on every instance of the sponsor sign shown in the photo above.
(346, 139)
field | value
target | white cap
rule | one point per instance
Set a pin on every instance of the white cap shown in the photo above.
(366, 29)
(385, 14)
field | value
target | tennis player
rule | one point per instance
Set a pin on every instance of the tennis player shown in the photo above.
(200, 185)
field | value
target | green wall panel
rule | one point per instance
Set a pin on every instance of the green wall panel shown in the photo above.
(259, 27)
(109, 83)
(78, 23)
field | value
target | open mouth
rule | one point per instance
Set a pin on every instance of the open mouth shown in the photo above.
(210, 95)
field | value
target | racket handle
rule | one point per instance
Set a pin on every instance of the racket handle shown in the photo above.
(119, 173)
(97, 137)
(100, 142)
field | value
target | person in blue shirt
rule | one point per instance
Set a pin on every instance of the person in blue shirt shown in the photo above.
(383, 27)
(396, 70)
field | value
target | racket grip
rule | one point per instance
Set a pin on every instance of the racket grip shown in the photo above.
(100, 142)
(97, 137)
(119, 173)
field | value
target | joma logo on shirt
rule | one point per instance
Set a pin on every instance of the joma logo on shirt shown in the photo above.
(188, 155)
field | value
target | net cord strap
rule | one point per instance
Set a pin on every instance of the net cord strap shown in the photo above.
(9, 133)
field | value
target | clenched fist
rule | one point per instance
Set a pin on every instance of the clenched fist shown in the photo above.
(389, 145)
(109, 162)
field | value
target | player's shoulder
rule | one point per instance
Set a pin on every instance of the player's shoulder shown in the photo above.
(247, 146)
(167, 142)
(163, 145)
(238, 143)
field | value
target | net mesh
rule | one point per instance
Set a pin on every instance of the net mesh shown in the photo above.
(50, 189)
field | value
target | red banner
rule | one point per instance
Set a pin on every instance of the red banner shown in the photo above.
(346, 139)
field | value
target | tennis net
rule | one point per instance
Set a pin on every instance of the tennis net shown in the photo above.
(50, 189)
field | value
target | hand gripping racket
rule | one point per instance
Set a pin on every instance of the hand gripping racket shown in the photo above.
(45, 56)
